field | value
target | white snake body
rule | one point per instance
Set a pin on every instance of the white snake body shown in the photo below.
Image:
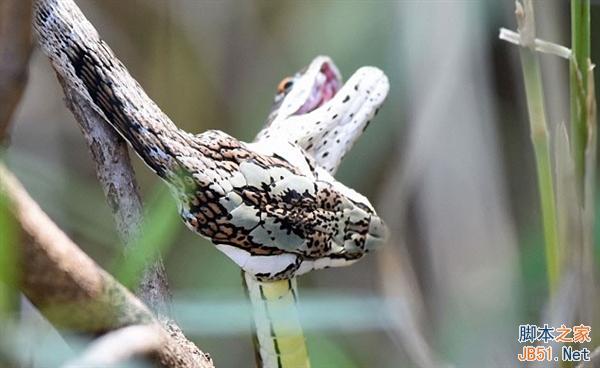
(271, 206)
(329, 131)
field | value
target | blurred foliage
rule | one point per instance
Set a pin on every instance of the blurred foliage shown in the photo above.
(157, 235)
(9, 298)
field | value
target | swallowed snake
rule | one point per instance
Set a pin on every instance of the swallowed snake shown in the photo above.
(272, 206)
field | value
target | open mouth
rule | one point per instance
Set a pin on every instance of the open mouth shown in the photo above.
(327, 84)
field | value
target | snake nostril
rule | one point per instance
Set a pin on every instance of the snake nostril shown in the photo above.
(377, 228)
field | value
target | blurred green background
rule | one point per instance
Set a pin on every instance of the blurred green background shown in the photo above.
(448, 163)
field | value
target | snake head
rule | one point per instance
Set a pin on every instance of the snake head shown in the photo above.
(323, 115)
(273, 211)
(298, 224)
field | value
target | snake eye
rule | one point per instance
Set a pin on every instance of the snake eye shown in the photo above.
(285, 85)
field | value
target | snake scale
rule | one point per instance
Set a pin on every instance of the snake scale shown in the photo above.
(272, 206)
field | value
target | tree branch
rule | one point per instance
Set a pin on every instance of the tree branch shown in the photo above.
(117, 178)
(113, 167)
(76, 294)
(15, 48)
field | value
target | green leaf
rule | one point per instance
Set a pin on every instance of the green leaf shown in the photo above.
(160, 228)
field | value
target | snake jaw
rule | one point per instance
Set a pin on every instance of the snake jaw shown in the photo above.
(327, 82)
(317, 84)
(376, 235)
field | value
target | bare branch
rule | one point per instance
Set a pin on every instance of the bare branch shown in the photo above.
(113, 166)
(119, 346)
(15, 48)
(117, 178)
(539, 45)
(72, 291)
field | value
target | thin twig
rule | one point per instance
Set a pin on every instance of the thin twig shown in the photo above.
(539, 45)
(74, 293)
(15, 48)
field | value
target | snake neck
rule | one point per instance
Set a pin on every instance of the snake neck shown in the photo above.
(93, 71)
(281, 342)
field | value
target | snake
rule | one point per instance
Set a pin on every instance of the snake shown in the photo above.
(272, 205)
(311, 109)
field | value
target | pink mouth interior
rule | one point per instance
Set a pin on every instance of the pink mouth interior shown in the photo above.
(322, 91)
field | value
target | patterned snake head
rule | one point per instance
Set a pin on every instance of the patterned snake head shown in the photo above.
(323, 116)
(273, 211)
(317, 222)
